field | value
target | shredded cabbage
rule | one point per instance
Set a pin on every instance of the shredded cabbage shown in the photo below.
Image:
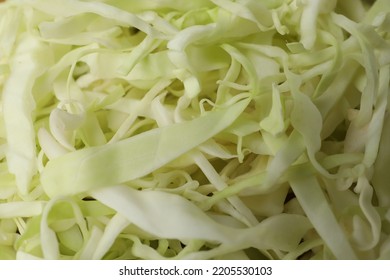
(205, 129)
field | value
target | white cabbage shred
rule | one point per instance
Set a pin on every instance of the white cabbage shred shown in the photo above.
(205, 129)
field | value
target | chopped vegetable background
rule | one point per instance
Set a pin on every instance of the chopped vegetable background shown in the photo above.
(205, 129)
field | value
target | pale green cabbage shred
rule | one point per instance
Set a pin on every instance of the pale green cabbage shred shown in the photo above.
(203, 129)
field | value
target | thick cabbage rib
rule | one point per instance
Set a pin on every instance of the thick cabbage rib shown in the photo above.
(30, 60)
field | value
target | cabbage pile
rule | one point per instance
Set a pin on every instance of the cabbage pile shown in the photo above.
(205, 129)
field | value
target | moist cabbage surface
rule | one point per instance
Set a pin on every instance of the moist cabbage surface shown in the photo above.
(205, 129)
